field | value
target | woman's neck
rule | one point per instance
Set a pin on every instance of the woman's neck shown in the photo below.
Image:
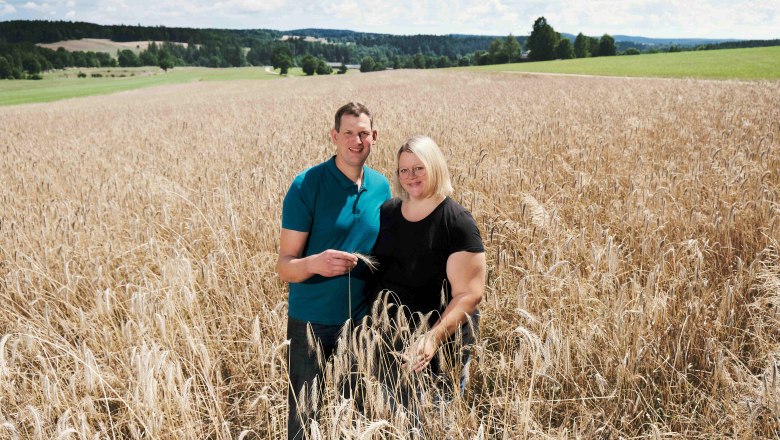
(417, 209)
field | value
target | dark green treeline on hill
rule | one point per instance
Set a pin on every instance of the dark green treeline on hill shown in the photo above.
(224, 47)
(21, 58)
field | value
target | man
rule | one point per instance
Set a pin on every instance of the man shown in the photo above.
(330, 211)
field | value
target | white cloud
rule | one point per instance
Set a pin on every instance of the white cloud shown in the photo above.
(650, 18)
(420, 16)
(368, 15)
(6, 9)
(42, 8)
(487, 17)
(250, 6)
(664, 19)
(32, 6)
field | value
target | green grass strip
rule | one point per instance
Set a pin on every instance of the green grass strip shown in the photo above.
(744, 64)
(59, 85)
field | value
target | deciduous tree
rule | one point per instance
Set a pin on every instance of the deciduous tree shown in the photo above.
(323, 68)
(512, 49)
(6, 71)
(165, 61)
(149, 58)
(367, 64)
(542, 41)
(127, 58)
(309, 64)
(443, 61)
(607, 46)
(282, 59)
(581, 46)
(496, 52)
(419, 61)
(593, 46)
(564, 50)
(31, 65)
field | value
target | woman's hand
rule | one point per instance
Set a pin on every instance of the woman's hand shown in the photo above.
(423, 351)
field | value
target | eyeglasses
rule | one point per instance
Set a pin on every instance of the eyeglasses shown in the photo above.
(408, 173)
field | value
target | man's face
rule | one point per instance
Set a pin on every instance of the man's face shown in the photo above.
(353, 140)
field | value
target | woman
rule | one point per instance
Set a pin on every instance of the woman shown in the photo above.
(431, 263)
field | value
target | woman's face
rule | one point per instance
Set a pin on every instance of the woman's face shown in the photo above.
(412, 175)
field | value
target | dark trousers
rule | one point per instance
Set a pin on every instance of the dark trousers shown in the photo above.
(303, 368)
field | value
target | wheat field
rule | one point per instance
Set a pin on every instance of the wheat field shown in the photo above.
(632, 231)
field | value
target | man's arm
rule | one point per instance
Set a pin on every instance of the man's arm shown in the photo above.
(293, 268)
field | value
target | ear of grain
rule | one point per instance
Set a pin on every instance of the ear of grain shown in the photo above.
(630, 228)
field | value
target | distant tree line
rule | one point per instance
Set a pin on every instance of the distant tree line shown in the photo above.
(20, 58)
(261, 52)
(45, 31)
(26, 60)
(371, 44)
(545, 43)
(740, 44)
(342, 46)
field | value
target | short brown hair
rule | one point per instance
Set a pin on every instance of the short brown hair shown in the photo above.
(355, 109)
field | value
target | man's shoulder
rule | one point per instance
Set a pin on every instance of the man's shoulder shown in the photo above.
(310, 174)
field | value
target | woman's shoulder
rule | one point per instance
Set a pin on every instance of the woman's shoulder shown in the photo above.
(391, 204)
(389, 213)
(454, 209)
(390, 208)
(463, 228)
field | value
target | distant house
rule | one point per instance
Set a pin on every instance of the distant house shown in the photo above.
(525, 54)
(337, 65)
(305, 38)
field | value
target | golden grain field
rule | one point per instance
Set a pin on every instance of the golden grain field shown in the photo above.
(632, 229)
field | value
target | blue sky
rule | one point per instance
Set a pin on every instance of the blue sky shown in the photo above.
(743, 19)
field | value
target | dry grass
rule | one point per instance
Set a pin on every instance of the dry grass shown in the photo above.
(631, 228)
(100, 45)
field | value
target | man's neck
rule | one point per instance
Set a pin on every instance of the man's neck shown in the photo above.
(354, 174)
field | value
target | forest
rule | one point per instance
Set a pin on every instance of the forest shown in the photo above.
(21, 58)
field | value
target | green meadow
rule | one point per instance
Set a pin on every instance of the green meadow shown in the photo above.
(66, 84)
(745, 64)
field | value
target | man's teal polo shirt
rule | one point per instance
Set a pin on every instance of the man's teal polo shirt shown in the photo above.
(337, 215)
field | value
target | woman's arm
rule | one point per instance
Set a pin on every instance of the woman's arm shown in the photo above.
(466, 273)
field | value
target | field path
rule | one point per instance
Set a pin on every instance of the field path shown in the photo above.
(582, 75)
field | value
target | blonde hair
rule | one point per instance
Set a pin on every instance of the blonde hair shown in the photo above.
(435, 166)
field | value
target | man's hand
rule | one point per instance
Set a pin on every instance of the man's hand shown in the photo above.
(331, 263)
(292, 267)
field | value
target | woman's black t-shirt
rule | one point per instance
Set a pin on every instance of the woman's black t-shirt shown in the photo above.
(413, 255)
